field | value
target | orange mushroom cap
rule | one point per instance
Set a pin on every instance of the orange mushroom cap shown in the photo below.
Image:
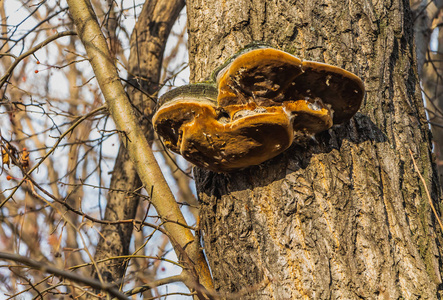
(309, 116)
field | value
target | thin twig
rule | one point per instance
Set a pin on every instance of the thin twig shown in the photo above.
(44, 267)
(127, 257)
(427, 191)
(31, 51)
(156, 283)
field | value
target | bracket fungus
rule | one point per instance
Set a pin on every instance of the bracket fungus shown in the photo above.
(262, 100)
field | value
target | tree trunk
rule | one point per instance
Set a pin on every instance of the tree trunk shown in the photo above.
(345, 216)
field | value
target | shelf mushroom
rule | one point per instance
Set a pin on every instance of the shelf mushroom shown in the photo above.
(263, 99)
(192, 125)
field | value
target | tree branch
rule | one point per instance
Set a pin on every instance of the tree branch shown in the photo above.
(44, 267)
(134, 139)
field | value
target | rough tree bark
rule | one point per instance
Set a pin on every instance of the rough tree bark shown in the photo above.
(344, 217)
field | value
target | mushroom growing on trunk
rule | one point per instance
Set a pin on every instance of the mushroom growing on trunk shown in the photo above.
(262, 100)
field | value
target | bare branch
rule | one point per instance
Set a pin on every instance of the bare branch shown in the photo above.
(44, 267)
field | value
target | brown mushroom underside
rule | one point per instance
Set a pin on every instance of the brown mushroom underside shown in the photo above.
(222, 147)
(261, 76)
